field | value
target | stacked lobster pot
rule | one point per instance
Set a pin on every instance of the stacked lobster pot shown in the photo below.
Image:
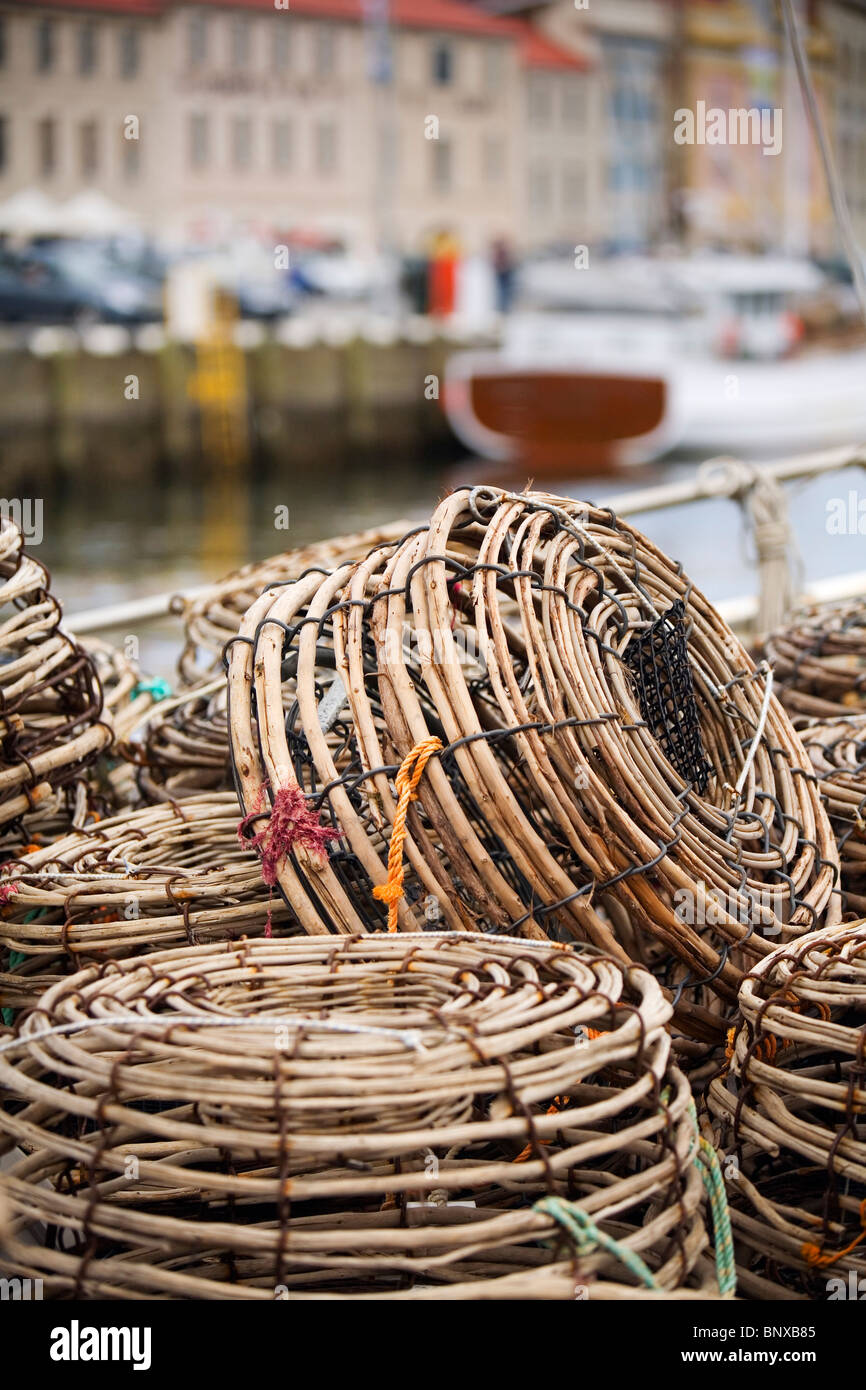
(419, 917)
(139, 882)
(211, 618)
(407, 1117)
(820, 660)
(523, 718)
(789, 1115)
(837, 751)
(52, 726)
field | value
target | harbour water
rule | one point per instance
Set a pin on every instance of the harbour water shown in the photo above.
(105, 546)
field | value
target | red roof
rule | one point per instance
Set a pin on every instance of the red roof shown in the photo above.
(427, 14)
(452, 16)
(148, 7)
(536, 51)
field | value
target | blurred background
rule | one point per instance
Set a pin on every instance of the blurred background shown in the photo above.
(272, 271)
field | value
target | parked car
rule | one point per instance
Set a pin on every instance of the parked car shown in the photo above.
(33, 292)
(107, 289)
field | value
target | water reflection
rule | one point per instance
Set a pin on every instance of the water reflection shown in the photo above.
(116, 545)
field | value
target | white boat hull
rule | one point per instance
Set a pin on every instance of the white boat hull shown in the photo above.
(707, 405)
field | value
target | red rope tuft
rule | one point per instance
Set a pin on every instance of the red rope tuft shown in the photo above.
(7, 890)
(290, 823)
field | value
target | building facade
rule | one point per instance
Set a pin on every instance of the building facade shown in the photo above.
(735, 58)
(846, 25)
(208, 119)
(628, 45)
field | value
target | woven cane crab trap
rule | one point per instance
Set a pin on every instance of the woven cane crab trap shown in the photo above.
(127, 694)
(820, 660)
(791, 1116)
(838, 754)
(213, 617)
(50, 700)
(142, 881)
(411, 1117)
(570, 742)
(181, 747)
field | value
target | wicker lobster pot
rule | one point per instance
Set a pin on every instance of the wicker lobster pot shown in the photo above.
(51, 725)
(820, 660)
(142, 881)
(408, 1117)
(791, 1119)
(181, 747)
(215, 616)
(554, 809)
(127, 695)
(838, 754)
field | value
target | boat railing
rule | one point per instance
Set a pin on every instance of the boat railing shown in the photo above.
(756, 487)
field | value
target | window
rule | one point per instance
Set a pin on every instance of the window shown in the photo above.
(46, 140)
(4, 141)
(493, 158)
(574, 187)
(130, 54)
(130, 157)
(443, 171)
(493, 67)
(87, 36)
(573, 101)
(197, 39)
(540, 106)
(89, 144)
(242, 142)
(388, 151)
(326, 147)
(324, 50)
(540, 188)
(240, 42)
(442, 61)
(45, 45)
(199, 141)
(281, 144)
(281, 48)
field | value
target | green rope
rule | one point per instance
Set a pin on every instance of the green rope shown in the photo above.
(16, 958)
(707, 1161)
(587, 1237)
(158, 688)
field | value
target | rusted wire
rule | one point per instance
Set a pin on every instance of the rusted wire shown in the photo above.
(790, 1118)
(820, 660)
(503, 628)
(317, 1118)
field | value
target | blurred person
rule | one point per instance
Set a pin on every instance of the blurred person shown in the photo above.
(503, 264)
(442, 272)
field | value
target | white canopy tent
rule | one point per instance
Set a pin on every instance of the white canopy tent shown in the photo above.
(92, 214)
(30, 213)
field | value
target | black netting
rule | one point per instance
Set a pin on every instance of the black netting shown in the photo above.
(659, 662)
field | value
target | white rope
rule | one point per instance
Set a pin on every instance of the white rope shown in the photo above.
(759, 733)
(410, 1037)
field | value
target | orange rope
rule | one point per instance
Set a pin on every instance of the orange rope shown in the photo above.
(729, 1047)
(813, 1255)
(392, 891)
(554, 1109)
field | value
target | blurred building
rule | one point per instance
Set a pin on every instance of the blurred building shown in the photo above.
(733, 56)
(387, 122)
(846, 25)
(366, 121)
(655, 57)
(628, 42)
